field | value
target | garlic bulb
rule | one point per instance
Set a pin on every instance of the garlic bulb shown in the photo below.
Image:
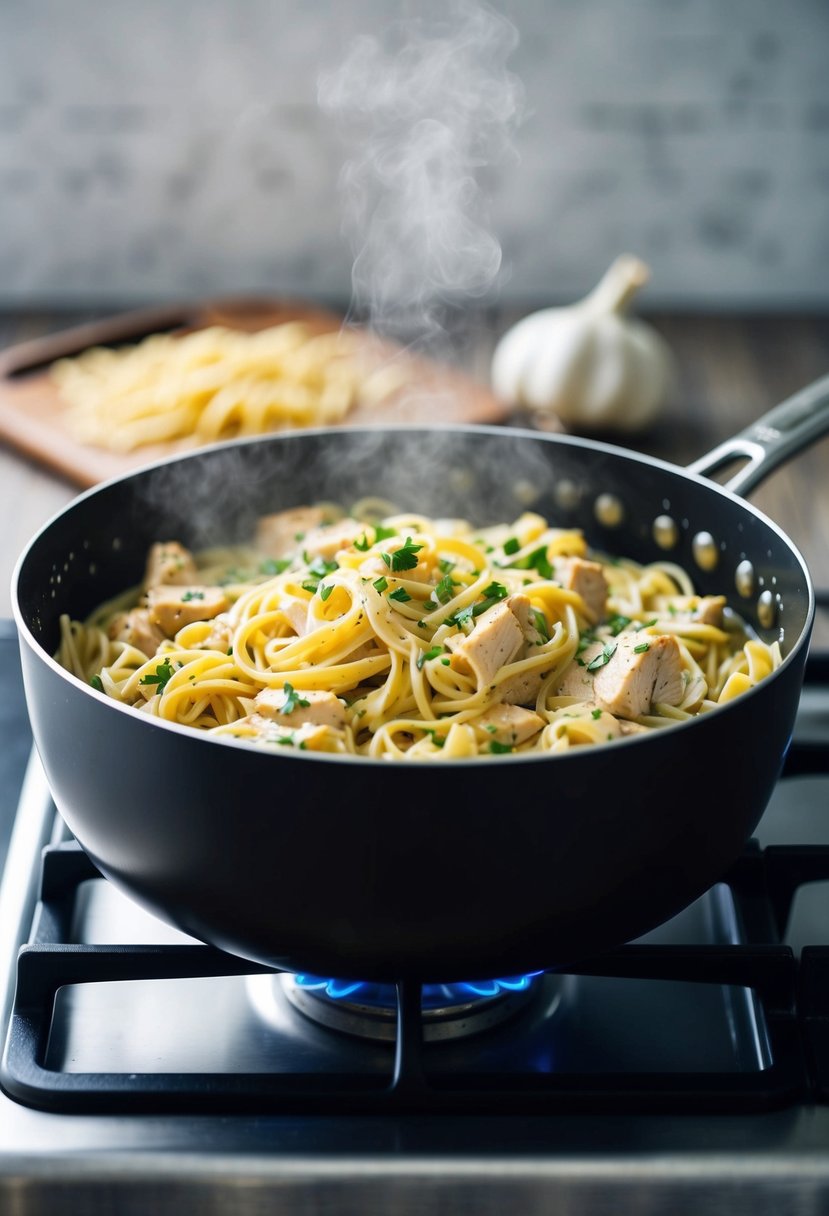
(589, 364)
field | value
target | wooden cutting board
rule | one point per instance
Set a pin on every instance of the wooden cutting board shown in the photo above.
(32, 414)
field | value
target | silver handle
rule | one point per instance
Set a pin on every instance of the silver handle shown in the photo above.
(776, 437)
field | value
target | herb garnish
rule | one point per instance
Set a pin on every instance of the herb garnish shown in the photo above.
(425, 655)
(641, 648)
(492, 594)
(540, 621)
(644, 625)
(161, 676)
(511, 546)
(97, 683)
(617, 623)
(380, 584)
(499, 749)
(404, 558)
(361, 543)
(325, 590)
(274, 565)
(401, 595)
(445, 565)
(192, 595)
(292, 699)
(537, 560)
(596, 713)
(443, 591)
(603, 658)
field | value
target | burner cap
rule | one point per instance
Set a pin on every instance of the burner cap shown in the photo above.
(450, 1011)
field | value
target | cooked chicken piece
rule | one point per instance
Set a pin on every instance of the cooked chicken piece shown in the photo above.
(136, 629)
(509, 723)
(221, 635)
(521, 608)
(326, 541)
(495, 640)
(521, 689)
(296, 611)
(283, 533)
(706, 609)
(170, 564)
(639, 674)
(587, 580)
(306, 737)
(171, 608)
(317, 708)
(576, 681)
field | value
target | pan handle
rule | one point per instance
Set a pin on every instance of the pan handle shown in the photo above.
(780, 434)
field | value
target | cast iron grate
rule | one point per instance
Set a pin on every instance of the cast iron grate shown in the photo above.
(763, 883)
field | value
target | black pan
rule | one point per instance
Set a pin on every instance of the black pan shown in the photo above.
(436, 872)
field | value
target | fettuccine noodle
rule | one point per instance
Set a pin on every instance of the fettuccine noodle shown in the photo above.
(216, 384)
(415, 638)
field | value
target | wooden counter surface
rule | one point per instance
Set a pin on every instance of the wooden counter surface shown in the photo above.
(730, 370)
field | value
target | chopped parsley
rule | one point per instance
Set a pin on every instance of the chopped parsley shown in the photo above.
(97, 683)
(445, 565)
(380, 584)
(644, 625)
(381, 533)
(617, 623)
(437, 739)
(192, 595)
(492, 594)
(361, 543)
(641, 648)
(537, 560)
(512, 545)
(540, 622)
(401, 595)
(596, 713)
(445, 662)
(274, 565)
(292, 699)
(461, 617)
(404, 558)
(499, 749)
(325, 590)
(160, 677)
(444, 590)
(585, 640)
(425, 655)
(603, 658)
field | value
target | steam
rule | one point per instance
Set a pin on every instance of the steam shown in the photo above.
(425, 109)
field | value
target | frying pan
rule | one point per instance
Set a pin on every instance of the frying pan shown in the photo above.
(360, 868)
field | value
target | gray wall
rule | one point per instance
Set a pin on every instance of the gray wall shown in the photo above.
(164, 148)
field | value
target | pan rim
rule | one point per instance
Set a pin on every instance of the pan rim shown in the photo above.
(521, 433)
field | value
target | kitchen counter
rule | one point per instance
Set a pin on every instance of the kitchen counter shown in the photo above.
(729, 371)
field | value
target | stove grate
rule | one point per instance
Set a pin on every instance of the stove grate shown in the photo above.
(795, 1009)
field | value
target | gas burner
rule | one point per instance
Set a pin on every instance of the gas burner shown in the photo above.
(369, 1011)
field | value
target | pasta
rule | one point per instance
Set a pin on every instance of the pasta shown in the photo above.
(416, 638)
(218, 383)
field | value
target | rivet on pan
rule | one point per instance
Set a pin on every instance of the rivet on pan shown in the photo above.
(461, 480)
(665, 532)
(706, 553)
(766, 610)
(609, 510)
(744, 579)
(525, 492)
(567, 494)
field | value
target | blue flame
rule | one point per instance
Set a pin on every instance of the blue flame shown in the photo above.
(434, 995)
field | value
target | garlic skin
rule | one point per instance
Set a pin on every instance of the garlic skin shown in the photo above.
(589, 364)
